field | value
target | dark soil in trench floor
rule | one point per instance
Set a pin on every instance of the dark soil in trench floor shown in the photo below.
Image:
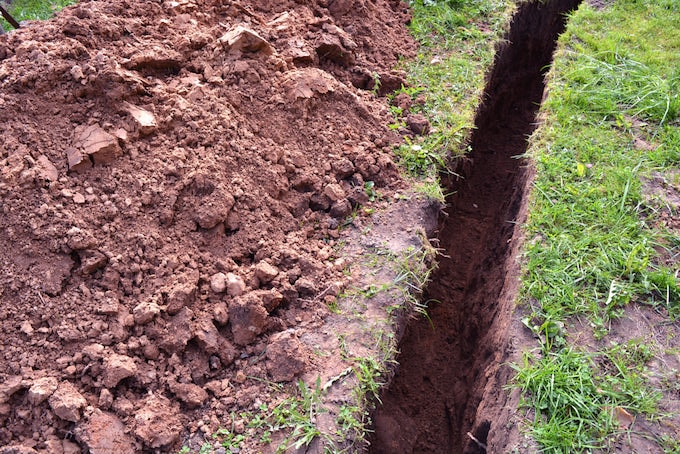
(450, 364)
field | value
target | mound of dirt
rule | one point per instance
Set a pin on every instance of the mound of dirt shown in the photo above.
(172, 179)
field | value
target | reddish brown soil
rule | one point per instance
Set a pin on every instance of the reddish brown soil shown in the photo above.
(172, 176)
(448, 393)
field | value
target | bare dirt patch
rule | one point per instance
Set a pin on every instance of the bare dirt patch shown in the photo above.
(172, 180)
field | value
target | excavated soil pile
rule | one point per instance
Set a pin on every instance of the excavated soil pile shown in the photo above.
(172, 176)
(447, 395)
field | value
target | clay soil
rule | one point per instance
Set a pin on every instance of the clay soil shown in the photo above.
(173, 179)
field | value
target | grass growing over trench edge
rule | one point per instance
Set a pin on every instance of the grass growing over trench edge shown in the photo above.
(610, 122)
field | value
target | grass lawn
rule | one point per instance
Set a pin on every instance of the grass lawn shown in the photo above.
(595, 245)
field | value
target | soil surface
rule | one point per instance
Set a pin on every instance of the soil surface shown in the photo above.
(173, 179)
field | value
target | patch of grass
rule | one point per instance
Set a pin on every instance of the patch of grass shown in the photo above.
(592, 235)
(446, 79)
(22, 10)
(298, 415)
(575, 403)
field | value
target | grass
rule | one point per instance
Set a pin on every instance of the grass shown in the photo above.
(445, 82)
(592, 234)
(22, 10)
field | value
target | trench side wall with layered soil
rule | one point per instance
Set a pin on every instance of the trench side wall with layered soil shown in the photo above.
(448, 394)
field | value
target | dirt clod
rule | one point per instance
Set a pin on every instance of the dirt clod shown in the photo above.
(104, 433)
(157, 422)
(116, 368)
(41, 389)
(67, 402)
(286, 356)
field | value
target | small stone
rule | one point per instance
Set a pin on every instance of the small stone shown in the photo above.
(78, 198)
(116, 368)
(179, 332)
(70, 448)
(66, 402)
(53, 445)
(214, 209)
(94, 351)
(123, 407)
(305, 286)
(78, 161)
(151, 351)
(47, 170)
(221, 313)
(91, 260)
(121, 134)
(42, 389)
(265, 272)
(218, 282)
(145, 311)
(78, 239)
(145, 120)
(244, 39)
(220, 388)
(77, 72)
(235, 285)
(319, 202)
(17, 449)
(192, 395)
(108, 306)
(418, 124)
(26, 328)
(11, 385)
(271, 299)
(181, 295)
(98, 144)
(105, 399)
(211, 341)
(343, 168)
(240, 377)
(248, 318)
(341, 209)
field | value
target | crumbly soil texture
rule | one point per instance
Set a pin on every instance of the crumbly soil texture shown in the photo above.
(173, 180)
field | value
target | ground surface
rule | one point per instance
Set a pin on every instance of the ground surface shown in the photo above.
(172, 180)
(185, 190)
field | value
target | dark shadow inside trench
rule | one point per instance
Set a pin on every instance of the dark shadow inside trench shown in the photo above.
(433, 401)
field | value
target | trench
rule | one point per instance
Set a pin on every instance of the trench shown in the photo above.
(447, 394)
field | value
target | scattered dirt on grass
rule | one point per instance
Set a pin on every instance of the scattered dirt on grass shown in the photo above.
(448, 393)
(172, 179)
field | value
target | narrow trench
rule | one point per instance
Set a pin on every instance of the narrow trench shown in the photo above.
(449, 382)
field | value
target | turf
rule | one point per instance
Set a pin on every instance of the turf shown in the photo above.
(592, 235)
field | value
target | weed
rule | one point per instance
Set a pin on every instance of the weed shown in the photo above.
(298, 415)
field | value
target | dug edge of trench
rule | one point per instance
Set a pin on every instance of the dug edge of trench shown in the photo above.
(449, 392)
(389, 256)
